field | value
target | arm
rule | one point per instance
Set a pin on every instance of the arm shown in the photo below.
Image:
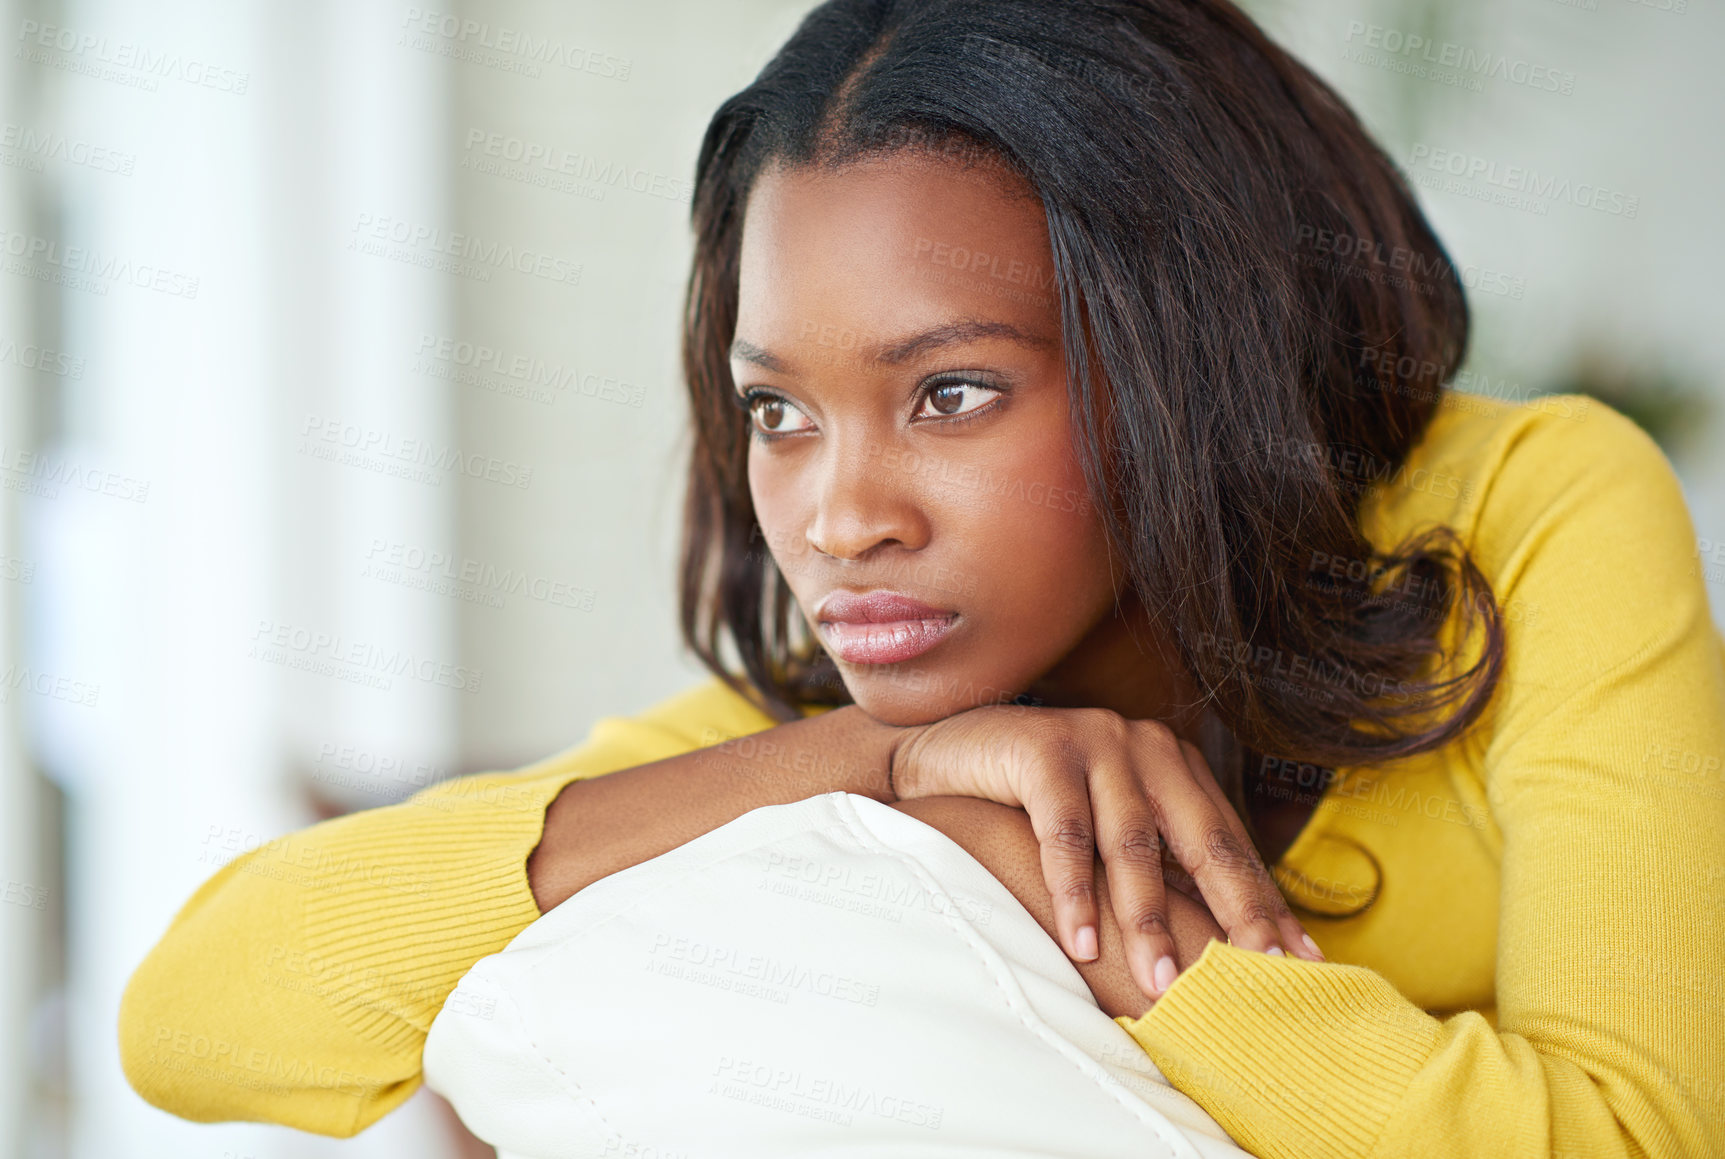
(297, 985)
(599, 827)
(1610, 930)
(1001, 839)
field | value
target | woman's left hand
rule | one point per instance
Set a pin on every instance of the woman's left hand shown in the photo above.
(1097, 784)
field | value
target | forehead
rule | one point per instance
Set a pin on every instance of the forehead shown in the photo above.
(887, 244)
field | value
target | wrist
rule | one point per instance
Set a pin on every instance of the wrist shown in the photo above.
(870, 746)
(901, 765)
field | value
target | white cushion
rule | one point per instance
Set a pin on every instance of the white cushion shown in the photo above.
(829, 977)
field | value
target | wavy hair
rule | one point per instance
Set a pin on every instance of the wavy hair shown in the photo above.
(1259, 322)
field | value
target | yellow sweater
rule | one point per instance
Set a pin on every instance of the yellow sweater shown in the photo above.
(1525, 930)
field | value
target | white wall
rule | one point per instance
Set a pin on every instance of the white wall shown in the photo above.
(604, 506)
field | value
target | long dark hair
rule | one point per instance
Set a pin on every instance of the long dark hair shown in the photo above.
(1272, 317)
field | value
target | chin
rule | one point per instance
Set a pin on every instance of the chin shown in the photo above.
(903, 695)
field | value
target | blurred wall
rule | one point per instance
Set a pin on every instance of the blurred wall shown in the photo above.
(579, 380)
(348, 468)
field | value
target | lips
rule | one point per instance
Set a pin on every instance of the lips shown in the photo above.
(880, 627)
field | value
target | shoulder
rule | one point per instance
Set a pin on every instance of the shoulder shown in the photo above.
(1510, 477)
(1577, 521)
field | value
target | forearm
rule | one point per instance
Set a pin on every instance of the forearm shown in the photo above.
(1001, 839)
(604, 825)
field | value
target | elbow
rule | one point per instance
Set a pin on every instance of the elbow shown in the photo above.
(145, 1039)
(182, 1055)
(169, 1055)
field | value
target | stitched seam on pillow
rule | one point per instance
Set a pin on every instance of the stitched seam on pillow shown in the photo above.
(1016, 1001)
(559, 1075)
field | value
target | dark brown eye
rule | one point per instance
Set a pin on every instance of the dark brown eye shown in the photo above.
(947, 399)
(956, 398)
(773, 415)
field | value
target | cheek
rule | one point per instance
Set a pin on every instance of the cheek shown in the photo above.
(1039, 500)
(774, 493)
(1036, 544)
(1051, 556)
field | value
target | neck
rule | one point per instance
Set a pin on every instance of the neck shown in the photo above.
(1125, 663)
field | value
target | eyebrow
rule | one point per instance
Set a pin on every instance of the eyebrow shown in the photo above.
(895, 353)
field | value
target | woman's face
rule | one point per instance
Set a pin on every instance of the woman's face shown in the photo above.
(912, 459)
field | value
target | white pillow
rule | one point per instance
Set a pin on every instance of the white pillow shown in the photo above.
(829, 977)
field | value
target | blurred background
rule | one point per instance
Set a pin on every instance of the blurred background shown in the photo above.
(337, 336)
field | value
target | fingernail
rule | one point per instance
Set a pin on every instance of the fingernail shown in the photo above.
(1312, 946)
(1086, 942)
(1276, 950)
(1165, 973)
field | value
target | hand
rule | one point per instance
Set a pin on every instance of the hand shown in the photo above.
(1002, 841)
(1094, 783)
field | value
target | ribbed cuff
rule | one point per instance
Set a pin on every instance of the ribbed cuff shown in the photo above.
(390, 929)
(1293, 1058)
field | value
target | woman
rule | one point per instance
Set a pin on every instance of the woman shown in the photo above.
(1026, 373)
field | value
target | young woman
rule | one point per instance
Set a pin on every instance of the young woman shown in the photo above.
(1074, 470)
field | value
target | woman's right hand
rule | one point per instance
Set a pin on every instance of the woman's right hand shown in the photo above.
(1095, 783)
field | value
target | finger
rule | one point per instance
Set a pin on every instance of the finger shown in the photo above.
(1295, 938)
(1175, 877)
(1059, 810)
(1217, 856)
(1131, 851)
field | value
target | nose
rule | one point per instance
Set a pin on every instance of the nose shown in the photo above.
(865, 501)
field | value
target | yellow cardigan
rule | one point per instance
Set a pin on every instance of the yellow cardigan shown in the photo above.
(1525, 929)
